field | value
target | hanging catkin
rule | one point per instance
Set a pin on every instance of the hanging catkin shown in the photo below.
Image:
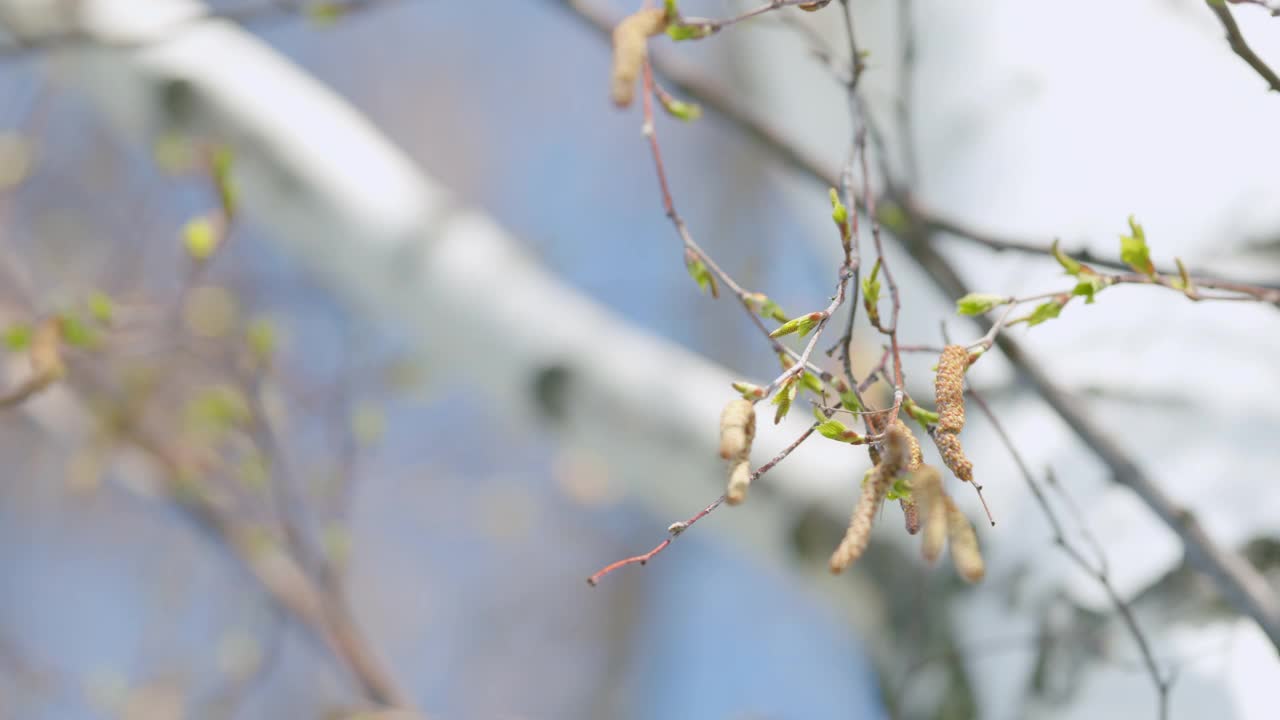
(949, 395)
(892, 462)
(737, 430)
(630, 48)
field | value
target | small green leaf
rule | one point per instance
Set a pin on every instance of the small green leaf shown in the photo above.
(77, 333)
(770, 309)
(1069, 264)
(979, 303)
(783, 399)
(1088, 285)
(100, 307)
(17, 337)
(832, 429)
(1044, 311)
(811, 383)
(849, 401)
(838, 431)
(672, 10)
(700, 274)
(1134, 251)
(200, 238)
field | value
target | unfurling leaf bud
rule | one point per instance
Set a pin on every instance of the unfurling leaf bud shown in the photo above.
(783, 399)
(685, 111)
(737, 429)
(1134, 251)
(840, 215)
(700, 274)
(922, 416)
(979, 303)
(871, 292)
(630, 49)
(1072, 266)
(749, 391)
(801, 325)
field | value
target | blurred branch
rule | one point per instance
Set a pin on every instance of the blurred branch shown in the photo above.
(191, 12)
(1239, 582)
(1238, 45)
(278, 573)
(1099, 571)
(938, 223)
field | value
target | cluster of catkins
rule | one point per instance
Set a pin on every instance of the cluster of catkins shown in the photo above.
(925, 503)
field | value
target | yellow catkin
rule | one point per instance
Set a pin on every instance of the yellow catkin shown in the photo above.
(953, 455)
(910, 513)
(949, 388)
(737, 429)
(964, 545)
(892, 461)
(926, 488)
(915, 457)
(739, 480)
(630, 48)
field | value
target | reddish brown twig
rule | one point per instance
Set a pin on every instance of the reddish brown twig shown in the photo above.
(676, 528)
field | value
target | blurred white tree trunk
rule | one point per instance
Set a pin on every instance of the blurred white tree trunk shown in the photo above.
(350, 206)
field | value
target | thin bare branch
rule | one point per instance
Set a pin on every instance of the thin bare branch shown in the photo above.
(1098, 572)
(1240, 47)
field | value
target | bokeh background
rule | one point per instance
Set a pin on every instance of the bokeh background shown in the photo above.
(466, 530)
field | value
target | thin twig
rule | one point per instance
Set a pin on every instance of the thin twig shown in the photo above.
(1238, 45)
(676, 528)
